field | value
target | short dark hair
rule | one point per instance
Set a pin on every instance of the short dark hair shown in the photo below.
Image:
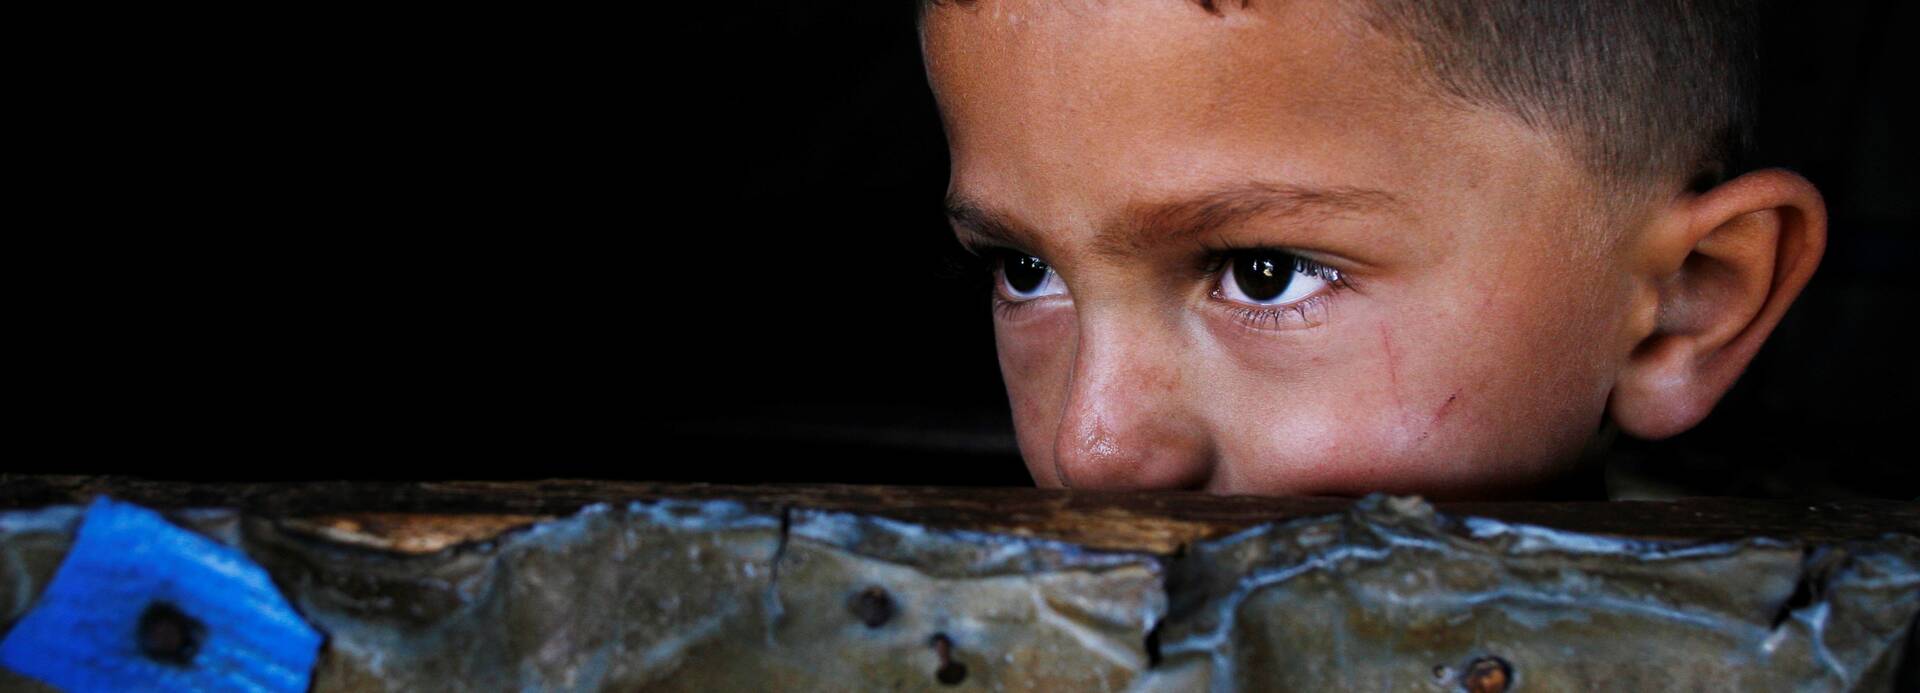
(1646, 92)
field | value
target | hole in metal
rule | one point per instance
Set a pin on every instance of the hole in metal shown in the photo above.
(169, 635)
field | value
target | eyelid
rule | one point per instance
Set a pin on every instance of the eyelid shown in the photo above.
(981, 250)
(1311, 311)
(989, 250)
(1009, 309)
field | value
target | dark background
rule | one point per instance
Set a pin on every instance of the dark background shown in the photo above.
(711, 249)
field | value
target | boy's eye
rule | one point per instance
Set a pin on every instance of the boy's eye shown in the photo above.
(1024, 277)
(1270, 278)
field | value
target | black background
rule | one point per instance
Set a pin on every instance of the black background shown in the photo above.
(710, 248)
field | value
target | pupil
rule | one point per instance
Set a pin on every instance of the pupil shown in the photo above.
(1263, 276)
(1024, 272)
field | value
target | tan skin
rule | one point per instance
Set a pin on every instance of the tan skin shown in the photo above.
(1470, 313)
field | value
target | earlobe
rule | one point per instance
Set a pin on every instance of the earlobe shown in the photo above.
(1718, 273)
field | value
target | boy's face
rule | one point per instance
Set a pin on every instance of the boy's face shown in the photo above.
(1143, 149)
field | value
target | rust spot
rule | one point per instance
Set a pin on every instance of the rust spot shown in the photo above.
(951, 671)
(873, 606)
(1487, 675)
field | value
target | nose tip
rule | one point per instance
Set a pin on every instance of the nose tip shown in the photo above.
(1129, 418)
(1120, 441)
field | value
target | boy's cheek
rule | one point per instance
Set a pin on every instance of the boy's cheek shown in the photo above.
(1035, 360)
(1440, 408)
(1324, 441)
(1378, 402)
(1356, 446)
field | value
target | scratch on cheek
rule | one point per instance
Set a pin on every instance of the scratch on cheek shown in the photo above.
(1393, 368)
(1439, 414)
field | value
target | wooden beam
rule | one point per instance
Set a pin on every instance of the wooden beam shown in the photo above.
(400, 513)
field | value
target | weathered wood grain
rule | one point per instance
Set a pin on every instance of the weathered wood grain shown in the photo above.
(424, 516)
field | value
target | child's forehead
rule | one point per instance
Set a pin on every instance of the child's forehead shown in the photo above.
(1134, 48)
(1142, 99)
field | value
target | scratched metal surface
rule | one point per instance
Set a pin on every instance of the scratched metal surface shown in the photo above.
(1388, 596)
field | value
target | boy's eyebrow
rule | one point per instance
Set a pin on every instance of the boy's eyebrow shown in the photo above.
(980, 228)
(1147, 224)
(1202, 214)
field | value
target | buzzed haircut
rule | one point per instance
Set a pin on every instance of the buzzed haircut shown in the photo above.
(1649, 94)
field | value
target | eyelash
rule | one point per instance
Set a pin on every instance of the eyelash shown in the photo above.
(1008, 310)
(1307, 312)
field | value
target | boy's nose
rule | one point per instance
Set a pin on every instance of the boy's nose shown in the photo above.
(1127, 424)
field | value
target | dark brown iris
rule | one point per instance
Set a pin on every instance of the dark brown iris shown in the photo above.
(1262, 275)
(1025, 273)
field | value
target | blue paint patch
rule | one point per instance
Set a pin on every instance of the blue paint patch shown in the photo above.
(140, 604)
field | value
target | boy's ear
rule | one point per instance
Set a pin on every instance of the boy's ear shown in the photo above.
(1715, 272)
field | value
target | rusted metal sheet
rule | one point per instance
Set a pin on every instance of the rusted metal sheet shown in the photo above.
(605, 599)
(719, 591)
(694, 596)
(1393, 596)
